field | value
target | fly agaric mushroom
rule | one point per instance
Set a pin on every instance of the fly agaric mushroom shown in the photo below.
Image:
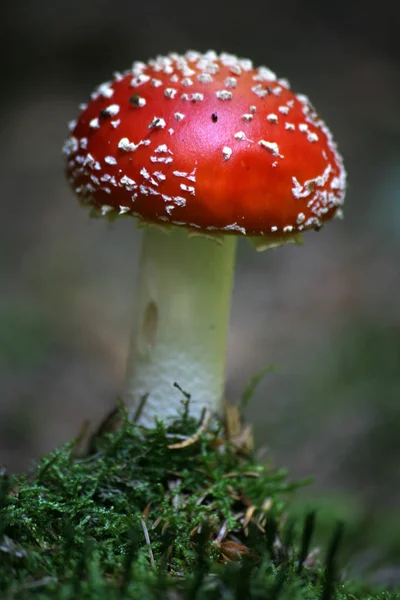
(200, 146)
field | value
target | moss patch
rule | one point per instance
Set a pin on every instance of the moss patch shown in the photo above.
(175, 512)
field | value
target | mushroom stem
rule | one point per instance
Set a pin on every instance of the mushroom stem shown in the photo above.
(181, 321)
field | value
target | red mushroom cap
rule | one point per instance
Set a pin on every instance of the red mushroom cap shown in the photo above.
(206, 141)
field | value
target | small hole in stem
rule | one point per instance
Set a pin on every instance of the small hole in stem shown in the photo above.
(149, 325)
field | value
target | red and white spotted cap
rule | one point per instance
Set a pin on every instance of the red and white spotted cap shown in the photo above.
(207, 142)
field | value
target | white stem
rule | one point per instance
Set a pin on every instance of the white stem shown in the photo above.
(181, 322)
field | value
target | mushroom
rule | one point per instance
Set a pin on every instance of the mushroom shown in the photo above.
(201, 149)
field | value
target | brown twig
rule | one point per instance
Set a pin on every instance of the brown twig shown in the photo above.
(196, 436)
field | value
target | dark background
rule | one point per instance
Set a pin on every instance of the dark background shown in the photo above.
(327, 314)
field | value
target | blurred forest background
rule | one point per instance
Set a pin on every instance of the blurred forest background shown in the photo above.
(327, 315)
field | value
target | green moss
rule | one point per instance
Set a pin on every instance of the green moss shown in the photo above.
(131, 517)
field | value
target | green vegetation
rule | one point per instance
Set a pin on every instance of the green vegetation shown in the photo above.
(184, 511)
